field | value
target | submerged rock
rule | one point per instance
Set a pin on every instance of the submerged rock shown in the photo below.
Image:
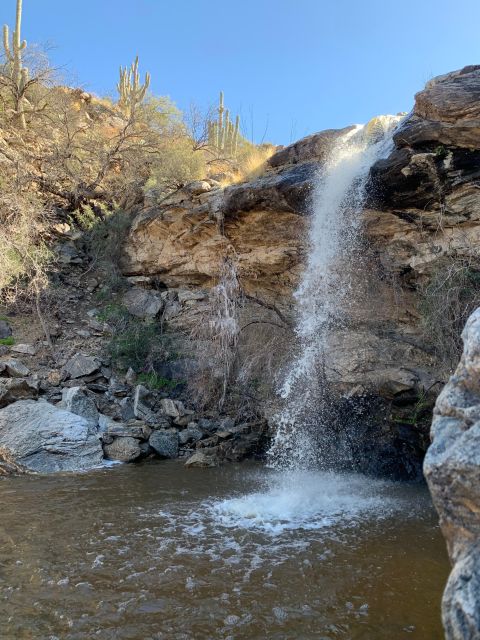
(452, 469)
(46, 439)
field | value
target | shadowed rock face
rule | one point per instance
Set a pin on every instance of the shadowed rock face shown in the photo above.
(423, 206)
(452, 469)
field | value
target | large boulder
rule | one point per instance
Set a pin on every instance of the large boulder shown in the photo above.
(452, 469)
(46, 439)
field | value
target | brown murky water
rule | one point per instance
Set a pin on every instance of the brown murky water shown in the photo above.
(155, 552)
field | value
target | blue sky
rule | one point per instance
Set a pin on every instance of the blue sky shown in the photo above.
(289, 67)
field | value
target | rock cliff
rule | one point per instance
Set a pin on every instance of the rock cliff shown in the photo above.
(423, 209)
(452, 469)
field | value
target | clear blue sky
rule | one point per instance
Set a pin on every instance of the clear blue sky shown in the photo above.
(290, 67)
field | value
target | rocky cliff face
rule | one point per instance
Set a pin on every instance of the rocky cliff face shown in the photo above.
(452, 469)
(423, 208)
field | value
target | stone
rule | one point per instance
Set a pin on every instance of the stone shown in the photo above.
(141, 409)
(13, 389)
(126, 409)
(46, 439)
(452, 470)
(27, 349)
(15, 368)
(124, 449)
(165, 443)
(77, 401)
(81, 365)
(197, 187)
(130, 376)
(142, 303)
(190, 434)
(202, 459)
(172, 408)
(5, 330)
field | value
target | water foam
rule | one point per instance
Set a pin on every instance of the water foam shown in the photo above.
(306, 500)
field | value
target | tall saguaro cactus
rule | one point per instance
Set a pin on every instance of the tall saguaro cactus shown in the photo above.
(17, 72)
(130, 89)
(222, 133)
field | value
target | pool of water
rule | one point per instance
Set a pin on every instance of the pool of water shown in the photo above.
(153, 551)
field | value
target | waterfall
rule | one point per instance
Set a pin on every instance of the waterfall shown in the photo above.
(322, 298)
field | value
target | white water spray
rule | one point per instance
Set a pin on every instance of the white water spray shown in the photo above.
(322, 296)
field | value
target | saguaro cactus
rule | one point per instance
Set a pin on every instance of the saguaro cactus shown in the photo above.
(16, 70)
(222, 133)
(130, 89)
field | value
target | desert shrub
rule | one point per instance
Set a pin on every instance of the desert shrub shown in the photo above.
(8, 341)
(153, 380)
(446, 301)
(24, 253)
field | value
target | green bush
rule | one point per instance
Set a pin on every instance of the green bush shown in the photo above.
(154, 381)
(7, 342)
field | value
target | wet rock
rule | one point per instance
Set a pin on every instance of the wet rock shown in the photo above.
(165, 443)
(14, 368)
(313, 147)
(124, 449)
(203, 459)
(81, 365)
(78, 402)
(142, 303)
(46, 439)
(452, 469)
(27, 349)
(5, 330)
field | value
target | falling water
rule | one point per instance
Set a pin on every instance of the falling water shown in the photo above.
(325, 289)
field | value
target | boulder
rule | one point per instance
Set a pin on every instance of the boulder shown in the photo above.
(202, 459)
(26, 349)
(142, 303)
(123, 449)
(14, 368)
(452, 469)
(141, 408)
(13, 389)
(74, 399)
(46, 439)
(165, 443)
(5, 330)
(81, 365)
(191, 434)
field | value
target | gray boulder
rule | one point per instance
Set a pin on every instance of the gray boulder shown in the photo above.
(123, 449)
(12, 389)
(165, 443)
(26, 349)
(452, 469)
(14, 368)
(191, 434)
(81, 365)
(46, 439)
(77, 401)
(142, 303)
